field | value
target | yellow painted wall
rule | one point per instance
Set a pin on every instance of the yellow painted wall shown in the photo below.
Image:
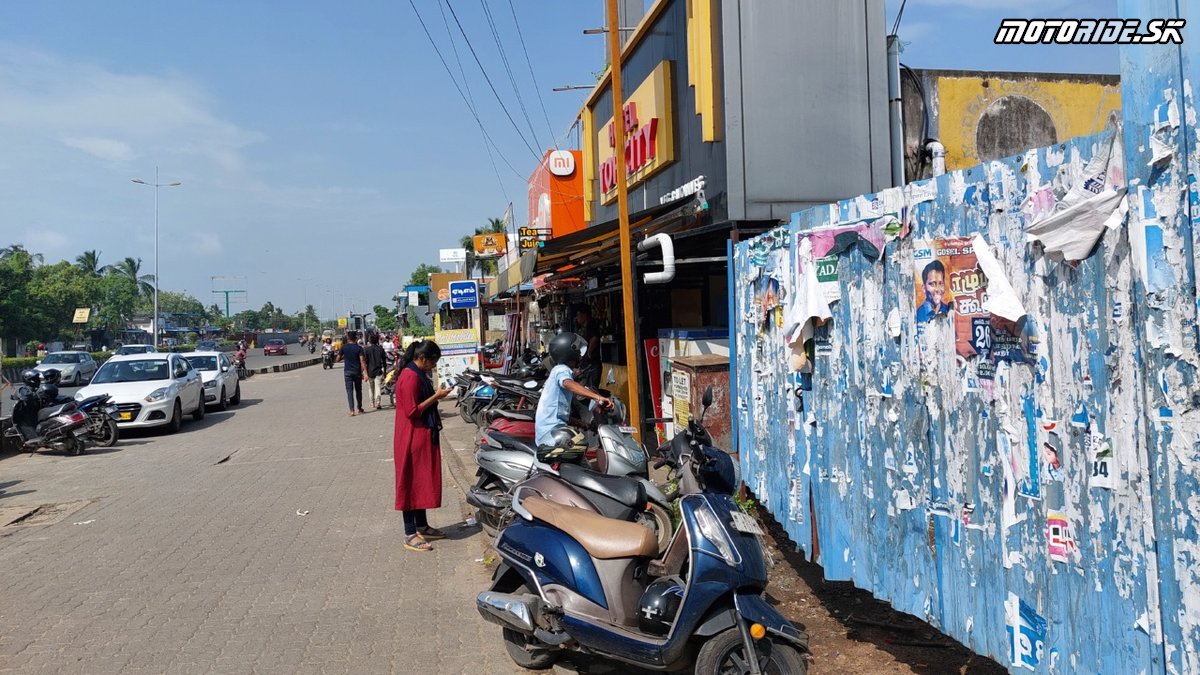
(1077, 108)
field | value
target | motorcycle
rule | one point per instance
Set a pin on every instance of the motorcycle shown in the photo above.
(312, 347)
(57, 425)
(327, 359)
(493, 357)
(102, 420)
(572, 580)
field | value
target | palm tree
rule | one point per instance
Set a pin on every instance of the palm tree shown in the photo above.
(486, 265)
(88, 262)
(131, 268)
(15, 249)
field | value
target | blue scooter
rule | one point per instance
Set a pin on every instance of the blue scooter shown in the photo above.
(574, 580)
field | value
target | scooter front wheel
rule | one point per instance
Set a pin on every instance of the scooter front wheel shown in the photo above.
(725, 654)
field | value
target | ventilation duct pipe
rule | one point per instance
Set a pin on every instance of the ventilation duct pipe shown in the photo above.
(664, 242)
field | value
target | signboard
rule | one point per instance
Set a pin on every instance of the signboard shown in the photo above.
(452, 255)
(464, 295)
(439, 285)
(460, 351)
(649, 134)
(681, 394)
(555, 199)
(490, 245)
(342, 322)
(82, 314)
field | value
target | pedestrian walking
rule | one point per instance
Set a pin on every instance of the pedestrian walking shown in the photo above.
(355, 373)
(416, 445)
(376, 368)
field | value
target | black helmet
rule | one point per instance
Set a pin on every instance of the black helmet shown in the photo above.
(567, 348)
(659, 605)
(51, 376)
(31, 378)
(566, 445)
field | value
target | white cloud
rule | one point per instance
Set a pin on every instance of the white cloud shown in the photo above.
(87, 107)
(46, 242)
(206, 242)
(104, 148)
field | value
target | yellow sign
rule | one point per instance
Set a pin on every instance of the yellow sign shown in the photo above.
(490, 245)
(82, 315)
(649, 134)
(342, 322)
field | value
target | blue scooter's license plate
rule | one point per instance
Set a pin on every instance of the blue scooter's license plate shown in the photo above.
(744, 523)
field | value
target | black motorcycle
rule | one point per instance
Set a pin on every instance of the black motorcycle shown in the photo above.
(327, 359)
(57, 425)
(102, 420)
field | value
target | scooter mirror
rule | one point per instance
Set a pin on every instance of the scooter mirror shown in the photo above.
(708, 396)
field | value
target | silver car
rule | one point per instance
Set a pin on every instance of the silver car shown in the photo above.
(221, 386)
(76, 368)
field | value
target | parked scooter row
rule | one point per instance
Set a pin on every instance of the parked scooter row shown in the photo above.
(573, 578)
(43, 419)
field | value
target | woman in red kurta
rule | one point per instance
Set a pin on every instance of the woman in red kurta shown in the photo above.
(418, 455)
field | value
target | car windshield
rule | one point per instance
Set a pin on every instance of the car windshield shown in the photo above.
(275, 343)
(132, 371)
(61, 358)
(203, 362)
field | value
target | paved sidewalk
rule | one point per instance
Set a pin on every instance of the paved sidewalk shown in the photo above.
(261, 540)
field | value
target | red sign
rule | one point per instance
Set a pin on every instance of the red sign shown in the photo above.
(652, 367)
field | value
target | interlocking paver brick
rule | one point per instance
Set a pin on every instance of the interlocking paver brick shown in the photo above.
(185, 565)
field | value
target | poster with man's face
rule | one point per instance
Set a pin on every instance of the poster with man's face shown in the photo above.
(947, 277)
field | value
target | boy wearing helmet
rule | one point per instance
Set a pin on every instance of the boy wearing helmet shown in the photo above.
(554, 406)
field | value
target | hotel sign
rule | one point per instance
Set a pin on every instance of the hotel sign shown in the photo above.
(649, 134)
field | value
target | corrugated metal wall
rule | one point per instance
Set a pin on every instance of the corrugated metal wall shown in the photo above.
(1038, 501)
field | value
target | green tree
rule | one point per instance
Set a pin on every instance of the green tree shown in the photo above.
(486, 266)
(88, 262)
(116, 302)
(16, 272)
(420, 277)
(385, 318)
(55, 291)
(310, 315)
(132, 268)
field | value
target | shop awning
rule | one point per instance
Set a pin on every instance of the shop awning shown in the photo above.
(511, 277)
(596, 245)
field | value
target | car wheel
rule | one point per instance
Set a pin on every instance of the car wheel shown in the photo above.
(223, 403)
(237, 394)
(176, 421)
(199, 414)
(78, 379)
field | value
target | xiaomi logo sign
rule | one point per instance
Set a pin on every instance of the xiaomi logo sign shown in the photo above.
(562, 163)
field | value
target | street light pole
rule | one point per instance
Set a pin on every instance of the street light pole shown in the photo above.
(156, 185)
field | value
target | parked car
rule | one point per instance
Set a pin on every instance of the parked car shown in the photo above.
(275, 347)
(125, 350)
(208, 346)
(75, 367)
(150, 390)
(221, 385)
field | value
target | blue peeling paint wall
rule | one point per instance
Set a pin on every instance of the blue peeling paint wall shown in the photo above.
(1039, 499)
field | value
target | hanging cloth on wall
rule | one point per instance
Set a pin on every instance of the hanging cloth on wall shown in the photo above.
(808, 304)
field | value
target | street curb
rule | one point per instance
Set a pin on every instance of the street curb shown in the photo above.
(283, 368)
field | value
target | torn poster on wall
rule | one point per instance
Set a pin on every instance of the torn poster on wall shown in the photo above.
(1026, 633)
(949, 279)
(1103, 462)
(1059, 542)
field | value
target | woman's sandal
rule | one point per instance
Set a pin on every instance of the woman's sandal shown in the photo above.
(414, 542)
(431, 533)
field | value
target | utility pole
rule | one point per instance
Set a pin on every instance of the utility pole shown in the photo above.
(631, 355)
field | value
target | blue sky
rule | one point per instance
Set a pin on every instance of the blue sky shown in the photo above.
(324, 140)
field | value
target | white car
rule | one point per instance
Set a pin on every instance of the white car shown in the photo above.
(221, 386)
(149, 390)
(73, 367)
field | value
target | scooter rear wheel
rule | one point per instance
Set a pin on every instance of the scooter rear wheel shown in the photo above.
(725, 654)
(524, 651)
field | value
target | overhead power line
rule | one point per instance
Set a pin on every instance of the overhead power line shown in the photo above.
(487, 13)
(487, 79)
(537, 89)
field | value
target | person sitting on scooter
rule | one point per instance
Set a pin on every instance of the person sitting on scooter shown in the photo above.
(554, 406)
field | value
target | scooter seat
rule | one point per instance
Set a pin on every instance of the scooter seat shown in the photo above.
(603, 538)
(512, 442)
(627, 491)
(513, 415)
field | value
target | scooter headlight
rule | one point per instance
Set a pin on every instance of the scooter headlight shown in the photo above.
(157, 395)
(714, 532)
